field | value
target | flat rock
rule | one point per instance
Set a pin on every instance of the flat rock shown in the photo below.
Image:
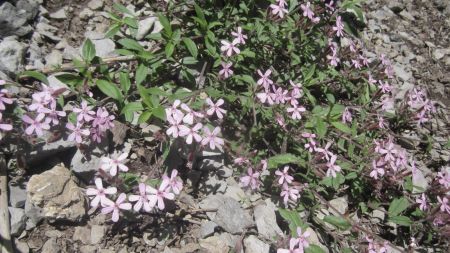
(104, 48)
(266, 221)
(57, 194)
(97, 234)
(51, 246)
(17, 220)
(59, 14)
(341, 204)
(230, 215)
(55, 58)
(12, 54)
(207, 228)
(96, 5)
(17, 194)
(144, 27)
(82, 234)
(254, 245)
(13, 21)
(214, 244)
(314, 239)
(85, 163)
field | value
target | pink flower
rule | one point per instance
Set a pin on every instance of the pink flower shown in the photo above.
(226, 70)
(302, 238)
(103, 120)
(115, 207)
(339, 28)
(4, 99)
(292, 244)
(212, 139)
(296, 112)
(284, 176)
(96, 134)
(3, 126)
(356, 64)
(296, 91)
(36, 125)
(332, 167)
(381, 122)
(190, 114)
(158, 196)
(423, 202)
(251, 179)
(376, 170)
(173, 183)
(229, 48)
(173, 110)
(289, 193)
(265, 78)
(175, 126)
(325, 151)
(100, 193)
(278, 10)
(215, 108)
(142, 199)
(84, 113)
(52, 115)
(384, 86)
(307, 12)
(114, 164)
(239, 37)
(389, 151)
(265, 96)
(444, 178)
(334, 60)
(346, 115)
(77, 132)
(191, 133)
(311, 145)
(280, 96)
(444, 204)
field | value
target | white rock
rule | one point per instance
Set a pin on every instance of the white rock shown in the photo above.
(12, 55)
(55, 58)
(17, 220)
(96, 4)
(214, 245)
(59, 14)
(97, 234)
(254, 245)
(86, 13)
(17, 194)
(104, 48)
(266, 221)
(314, 239)
(340, 204)
(144, 27)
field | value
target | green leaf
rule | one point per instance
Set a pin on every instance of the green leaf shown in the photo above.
(141, 74)
(132, 107)
(397, 206)
(331, 98)
(109, 89)
(170, 47)
(36, 75)
(309, 72)
(282, 159)
(112, 30)
(144, 117)
(321, 127)
(70, 79)
(314, 249)
(88, 50)
(131, 22)
(293, 219)
(401, 220)
(189, 61)
(130, 44)
(159, 112)
(338, 222)
(166, 25)
(123, 9)
(342, 127)
(157, 91)
(190, 45)
(125, 82)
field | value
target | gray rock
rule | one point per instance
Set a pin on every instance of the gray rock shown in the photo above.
(86, 13)
(12, 55)
(82, 234)
(34, 214)
(401, 72)
(59, 14)
(254, 245)
(230, 215)
(144, 27)
(314, 239)
(70, 53)
(214, 244)
(229, 239)
(97, 234)
(212, 185)
(85, 163)
(13, 21)
(266, 220)
(234, 190)
(419, 181)
(55, 58)
(104, 48)
(340, 204)
(396, 6)
(43, 150)
(439, 53)
(17, 219)
(20, 246)
(51, 246)
(96, 5)
(88, 249)
(57, 193)
(207, 228)
(17, 194)
(31, 7)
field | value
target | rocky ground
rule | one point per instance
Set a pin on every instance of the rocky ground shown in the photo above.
(217, 215)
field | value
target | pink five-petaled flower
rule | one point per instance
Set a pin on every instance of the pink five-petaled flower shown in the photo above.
(114, 207)
(84, 113)
(229, 48)
(53, 115)
(212, 139)
(292, 244)
(332, 167)
(77, 132)
(239, 37)
(301, 238)
(296, 91)
(4, 99)
(190, 114)
(265, 96)
(444, 178)
(444, 204)
(389, 151)
(307, 12)
(339, 28)
(346, 115)
(114, 164)
(175, 125)
(289, 193)
(423, 202)
(36, 125)
(376, 170)
(215, 108)
(142, 200)
(311, 145)
(191, 133)
(296, 112)
(157, 196)
(251, 179)
(100, 193)
(284, 176)
(278, 10)
(3, 126)
(264, 79)
(226, 70)
(103, 120)
(173, 183)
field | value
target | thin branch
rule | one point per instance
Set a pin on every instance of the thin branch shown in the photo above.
(5, 233)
